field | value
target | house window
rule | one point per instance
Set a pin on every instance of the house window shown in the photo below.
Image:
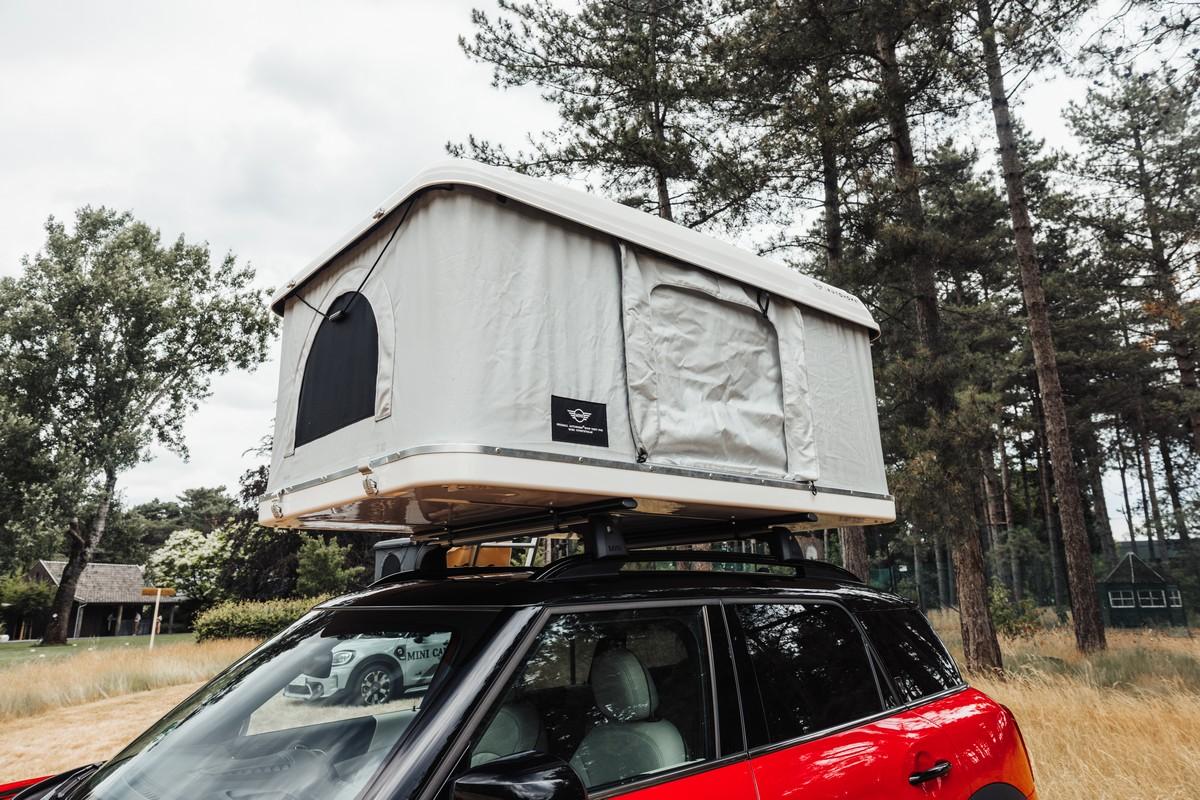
(1174, 598)
(1120, 599)
(338, 387)
(1151, 598)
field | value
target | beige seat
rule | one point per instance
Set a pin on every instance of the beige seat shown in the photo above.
(630, 742)
(516, 728)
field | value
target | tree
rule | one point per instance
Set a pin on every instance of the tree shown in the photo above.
(628, 80)
(322, 568)
(24, 604)
(109, 338)
(191, 561)
(1034, 27)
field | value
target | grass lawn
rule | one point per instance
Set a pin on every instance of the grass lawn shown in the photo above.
(14, 653)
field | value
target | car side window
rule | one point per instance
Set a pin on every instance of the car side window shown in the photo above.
(911, 652)
(619, 695)
(806, 667)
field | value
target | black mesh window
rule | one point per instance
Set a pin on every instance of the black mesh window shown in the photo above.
(810, 666)
(911, 652)
(338, 387)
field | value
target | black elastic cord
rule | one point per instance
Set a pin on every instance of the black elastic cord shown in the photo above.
(346, 310)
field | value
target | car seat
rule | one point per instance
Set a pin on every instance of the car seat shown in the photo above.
(516, 728)
(631, 741)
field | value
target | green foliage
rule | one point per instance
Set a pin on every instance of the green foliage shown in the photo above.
(322, 568)
(251, 619)
(191, 562)
(1016, 620)
(133, 533)
(23, 600)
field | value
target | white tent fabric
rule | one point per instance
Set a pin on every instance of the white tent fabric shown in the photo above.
(495, 318)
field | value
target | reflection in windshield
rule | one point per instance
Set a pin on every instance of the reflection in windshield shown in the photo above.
(310, 715)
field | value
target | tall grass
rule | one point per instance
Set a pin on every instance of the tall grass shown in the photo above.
(32, 688)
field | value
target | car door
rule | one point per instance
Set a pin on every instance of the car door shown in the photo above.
(975, 738)
(819, 719)
(627, 698)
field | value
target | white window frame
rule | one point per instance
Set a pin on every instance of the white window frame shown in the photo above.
(1121, 598)
(1151, 595)
(1174, 598)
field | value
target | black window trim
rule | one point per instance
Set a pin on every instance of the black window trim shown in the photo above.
(876, 670)
(454, 756)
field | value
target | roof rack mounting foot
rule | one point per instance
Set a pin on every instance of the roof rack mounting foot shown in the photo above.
(603, 537)
(782, 544)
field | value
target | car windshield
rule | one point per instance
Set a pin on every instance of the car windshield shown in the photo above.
(310, 715)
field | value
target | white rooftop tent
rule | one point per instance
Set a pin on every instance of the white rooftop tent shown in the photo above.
(487, 344)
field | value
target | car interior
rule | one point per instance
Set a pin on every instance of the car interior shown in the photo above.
(615, 700)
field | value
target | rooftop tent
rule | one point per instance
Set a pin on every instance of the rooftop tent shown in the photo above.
(486, 345)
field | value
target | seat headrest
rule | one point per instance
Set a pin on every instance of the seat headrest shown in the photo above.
(623, 689)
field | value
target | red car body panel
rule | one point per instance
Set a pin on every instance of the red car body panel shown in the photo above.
(9, 790)
(724, 783)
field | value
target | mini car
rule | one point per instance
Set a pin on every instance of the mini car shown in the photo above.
(369, 670)
(635, 676)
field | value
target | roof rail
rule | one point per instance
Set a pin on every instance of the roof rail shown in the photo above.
(586, 566)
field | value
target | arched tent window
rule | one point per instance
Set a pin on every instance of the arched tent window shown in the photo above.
(338, 387)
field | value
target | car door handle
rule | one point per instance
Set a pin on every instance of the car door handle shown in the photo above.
(939, 770)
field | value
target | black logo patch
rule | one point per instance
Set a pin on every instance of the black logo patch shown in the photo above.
(578, 421)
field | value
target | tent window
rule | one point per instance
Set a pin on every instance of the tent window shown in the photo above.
(338, 387)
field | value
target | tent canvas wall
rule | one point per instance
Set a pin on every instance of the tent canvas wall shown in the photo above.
(487, 343)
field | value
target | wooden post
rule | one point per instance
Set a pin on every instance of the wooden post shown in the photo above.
(158, 593)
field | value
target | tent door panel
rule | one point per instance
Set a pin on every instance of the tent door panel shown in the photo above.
(711, 383)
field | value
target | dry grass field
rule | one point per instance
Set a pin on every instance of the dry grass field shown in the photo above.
(1124, 725)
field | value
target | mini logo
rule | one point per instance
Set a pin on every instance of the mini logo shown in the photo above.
(579, 415)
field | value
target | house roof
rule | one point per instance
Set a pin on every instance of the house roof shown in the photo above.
(622, 222)
(103, 583)
(1132, 569)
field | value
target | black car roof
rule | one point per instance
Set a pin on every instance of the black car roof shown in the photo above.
(512, 588)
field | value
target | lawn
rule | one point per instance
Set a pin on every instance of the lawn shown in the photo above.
(12, 653)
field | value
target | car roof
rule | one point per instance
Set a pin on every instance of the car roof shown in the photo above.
(522, 588)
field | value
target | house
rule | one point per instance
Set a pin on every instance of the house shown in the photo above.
(109, 599)
(1134, 595)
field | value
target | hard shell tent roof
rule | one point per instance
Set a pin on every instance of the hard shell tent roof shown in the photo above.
(614, 219)
(487, 344)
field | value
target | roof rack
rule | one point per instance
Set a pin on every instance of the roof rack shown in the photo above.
(582, 566)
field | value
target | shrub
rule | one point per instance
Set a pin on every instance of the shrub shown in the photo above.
(251, 619)
(1013, 619)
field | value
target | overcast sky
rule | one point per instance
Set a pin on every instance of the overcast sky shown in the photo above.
(264, 128)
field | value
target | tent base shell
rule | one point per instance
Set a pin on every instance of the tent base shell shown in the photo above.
(425, 489)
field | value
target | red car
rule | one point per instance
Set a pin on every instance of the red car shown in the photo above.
(753, 679)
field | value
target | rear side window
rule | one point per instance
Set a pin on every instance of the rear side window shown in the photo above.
(911, 652)
(807, 668)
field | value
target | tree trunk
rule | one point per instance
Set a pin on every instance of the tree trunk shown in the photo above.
(1141, 473)
(1164, 451)
(1099, 502)
(980, 647)
(943, 580)
(917, 574)
(1014, 555)
(997, 522)
(1176, 336)
(1152, 490)
(83, 546)
(1089, 627)
(1060, 600)
(1123, 466)
(854, 551)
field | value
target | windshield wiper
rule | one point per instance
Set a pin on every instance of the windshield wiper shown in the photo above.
(72, 781)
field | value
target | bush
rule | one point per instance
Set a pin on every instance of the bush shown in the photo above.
(251, 619)
(1016, 620)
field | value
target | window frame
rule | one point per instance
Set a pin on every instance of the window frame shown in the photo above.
(1161, 594)
(1174, 598)
(459, 756)
(1126, 594)
(883, 685)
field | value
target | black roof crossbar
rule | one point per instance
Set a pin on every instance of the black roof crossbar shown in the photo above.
(733, 530)
(550, 520)
(584, 566)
